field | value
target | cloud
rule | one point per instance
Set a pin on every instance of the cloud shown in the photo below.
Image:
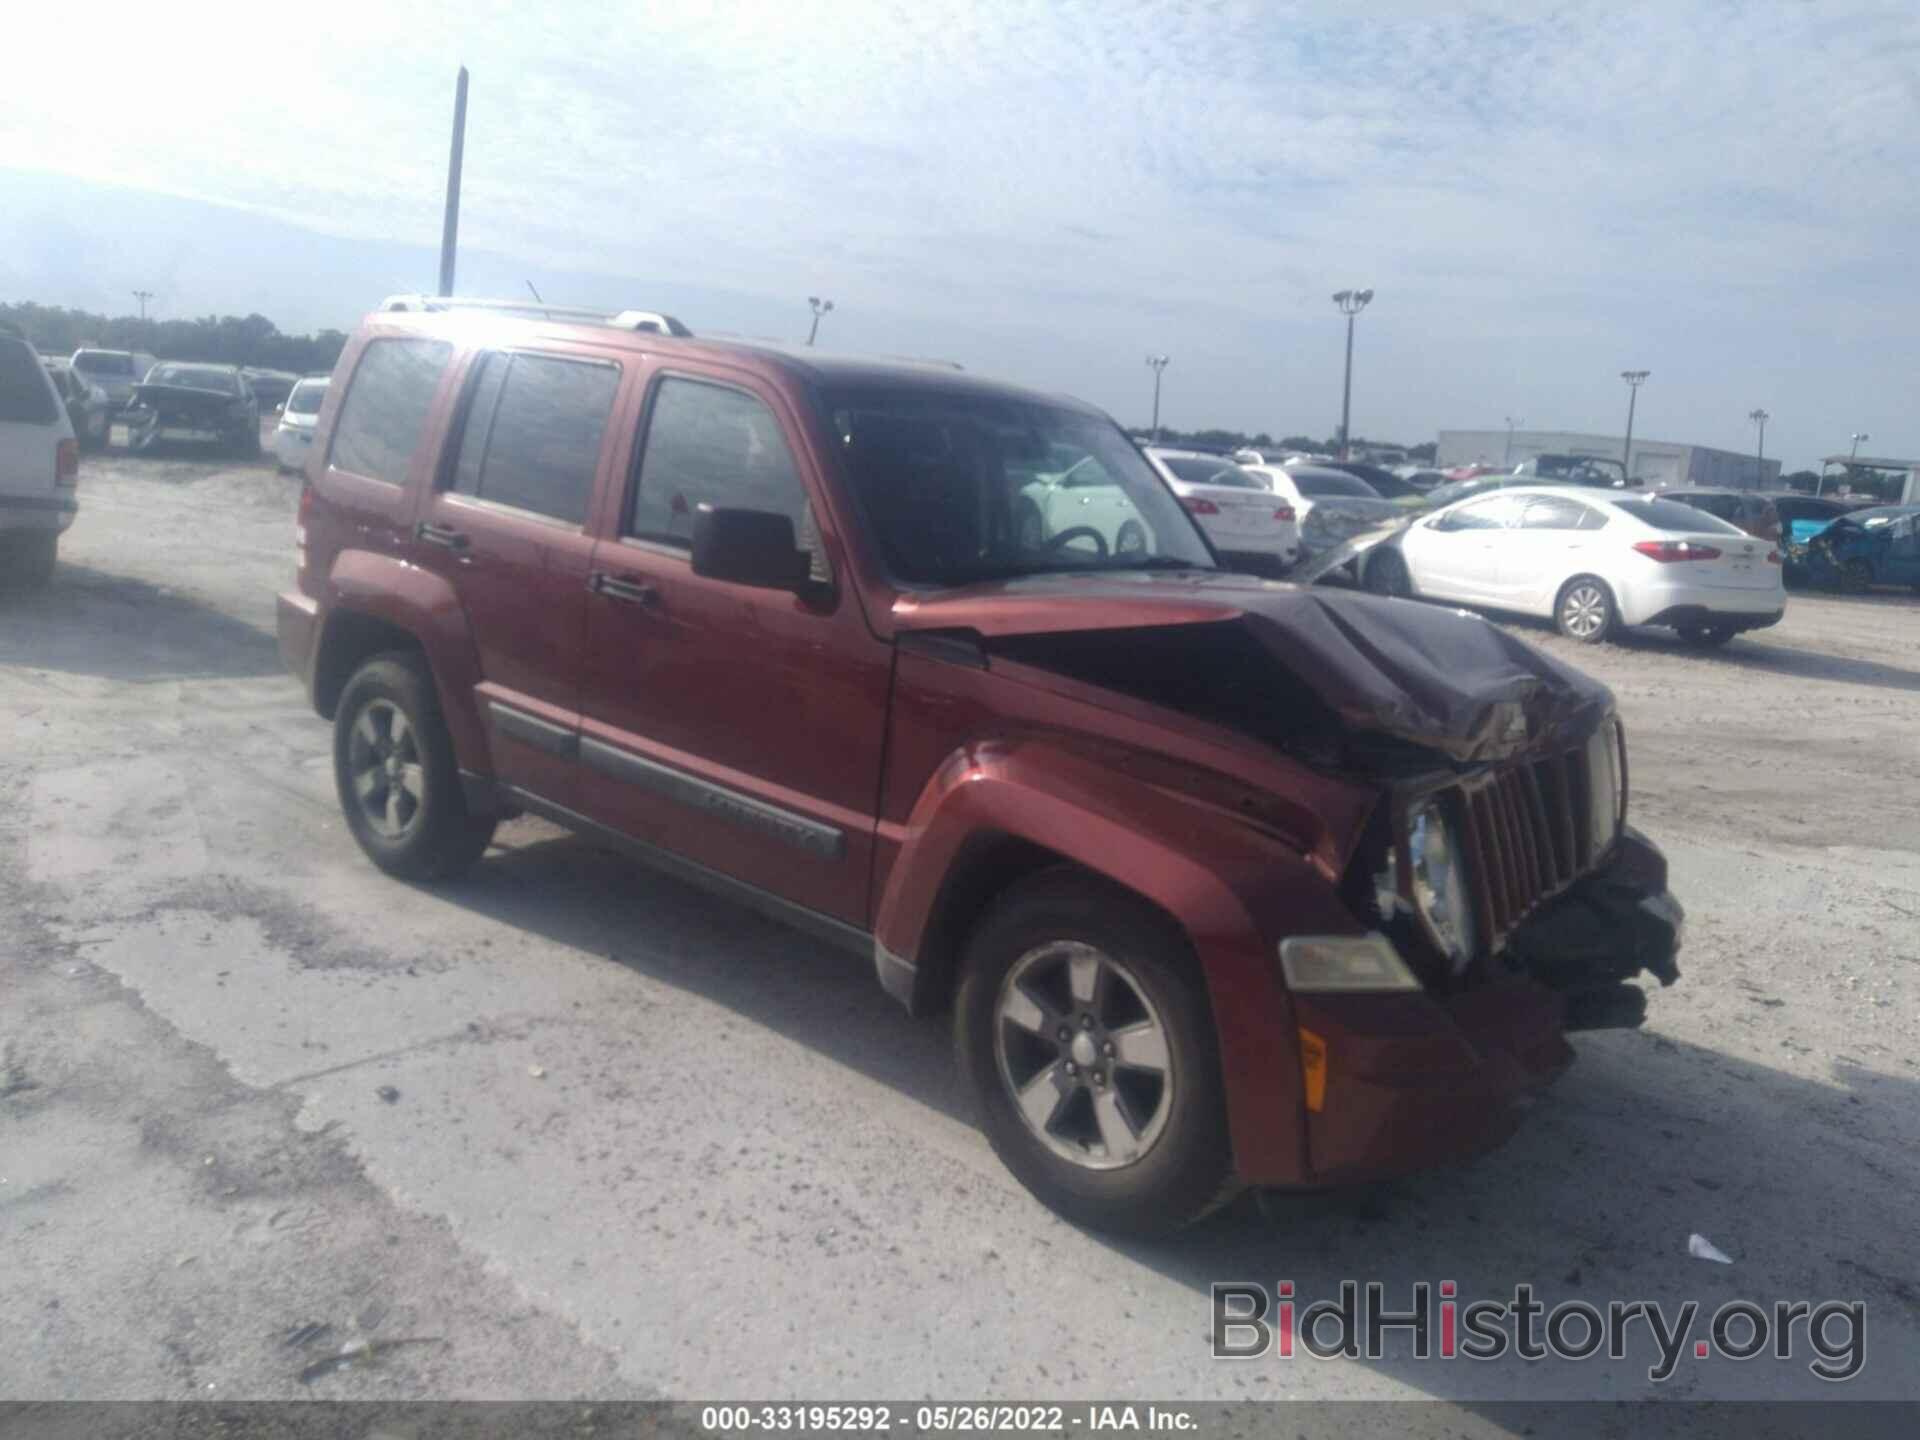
(1540, 195)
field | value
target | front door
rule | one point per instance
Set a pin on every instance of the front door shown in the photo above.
(1456, 555)
(736, 727)
(506, 524)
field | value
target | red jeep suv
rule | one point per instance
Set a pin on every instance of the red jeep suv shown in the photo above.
(1226, 882)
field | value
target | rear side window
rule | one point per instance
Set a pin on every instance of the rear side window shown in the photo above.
(102, 362)
(1672, 516)
(1555, 513)
(385, 413)
(532, 433)
(711, 444)
(26, 397)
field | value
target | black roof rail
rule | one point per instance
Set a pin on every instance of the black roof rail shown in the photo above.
(652, 321)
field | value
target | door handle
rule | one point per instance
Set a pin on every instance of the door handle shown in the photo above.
(440, 535)
(628, 592)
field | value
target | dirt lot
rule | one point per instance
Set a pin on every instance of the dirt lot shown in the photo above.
(582, 1131)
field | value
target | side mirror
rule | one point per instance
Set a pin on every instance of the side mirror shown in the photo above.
(280, 409)
(748, 547)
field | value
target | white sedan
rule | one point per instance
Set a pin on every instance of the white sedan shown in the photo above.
(1250, 527)
(1589, 561)
(1333, 506)
(293, 436)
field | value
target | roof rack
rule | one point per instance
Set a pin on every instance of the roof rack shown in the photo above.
(652, 321)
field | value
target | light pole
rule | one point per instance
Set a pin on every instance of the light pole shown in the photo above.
(1159, 363)
(1511, 422)
(1760, 418)
(143, 296)
(1854, 453)
(1351, 303)
(1635, 379)
(820, 307)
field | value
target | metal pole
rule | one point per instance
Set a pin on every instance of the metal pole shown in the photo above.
(1511, 422)
(1156, 363)
(450, 229)
(143, 296)
(1634, 379)
(820, 307)
(1760, 418)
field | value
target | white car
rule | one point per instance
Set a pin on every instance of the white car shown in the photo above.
(1332, 505)
(1250, 527)
(114, 371)
(293, 436)
(1592, 561)
(39, 467)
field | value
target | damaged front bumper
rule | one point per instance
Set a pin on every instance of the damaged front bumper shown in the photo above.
(1415, 1080)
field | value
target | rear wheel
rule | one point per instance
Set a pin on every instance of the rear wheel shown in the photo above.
(1585, 610)
(1132, 539)
(27, 561)
(1706, 636)
(394, 768)
(1085, 1034)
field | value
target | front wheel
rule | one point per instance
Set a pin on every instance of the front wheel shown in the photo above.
(1388, 575)
(1085, 1035)
(1132, 539)
(1585, 610)
(394, 769)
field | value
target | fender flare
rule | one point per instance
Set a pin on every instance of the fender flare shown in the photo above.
(364, 585)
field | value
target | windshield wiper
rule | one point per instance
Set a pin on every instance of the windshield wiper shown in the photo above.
(1160, 562)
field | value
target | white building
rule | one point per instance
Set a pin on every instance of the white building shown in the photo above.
(1657, 462)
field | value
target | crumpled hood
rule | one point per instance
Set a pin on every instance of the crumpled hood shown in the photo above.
(1434, 677)
(185, 402)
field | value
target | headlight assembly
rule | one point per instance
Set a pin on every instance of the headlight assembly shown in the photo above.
(1441, 893)
(1606, 786)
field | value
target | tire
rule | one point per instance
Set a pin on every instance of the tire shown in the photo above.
(1584, 610)
(1387, 574)
(1041, 933)
(27, 561)
(1132, 539)
(1030, 527)
(1706, 636)
(413, 822)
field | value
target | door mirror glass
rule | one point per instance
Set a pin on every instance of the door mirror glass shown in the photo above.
(748, 547)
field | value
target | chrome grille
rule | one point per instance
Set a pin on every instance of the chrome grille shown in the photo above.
(1526, 835)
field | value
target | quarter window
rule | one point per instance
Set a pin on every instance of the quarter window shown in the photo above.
(385, 412)
(532, 434)
(710, 444)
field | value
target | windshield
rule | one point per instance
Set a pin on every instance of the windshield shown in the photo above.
(959, 487)
(1204, 470)
(305, 398)
(194, 377)
(103, 362)
(1330, 484)
(1673, 516)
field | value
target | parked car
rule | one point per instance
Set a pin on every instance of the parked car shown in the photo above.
(1592, 562)
(1384, 483)
(1332, 505)
(1252, 530)
(1423, 478)
(39, 468)
(115, 371)
(293, 436)
(193, 402)
(1746, 510)
(1864, 548)
(1801, 518)
(1204, 866)
(1074, 501)
(1596, 471)
(88, 407)
(270, 387)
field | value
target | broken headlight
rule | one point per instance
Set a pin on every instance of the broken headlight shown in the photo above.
(1606, 781)
(1436, 863)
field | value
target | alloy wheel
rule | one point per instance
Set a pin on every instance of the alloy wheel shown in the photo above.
(1583, 611)
(388, 774)
(1084, 1054)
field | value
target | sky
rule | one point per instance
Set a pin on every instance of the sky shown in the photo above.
(1540, 196)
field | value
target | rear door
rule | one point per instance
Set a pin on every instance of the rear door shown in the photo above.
(33, 422)
(737, 727)
(1547, 545)
(506, 525)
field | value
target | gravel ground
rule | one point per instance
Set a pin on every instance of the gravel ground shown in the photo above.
(576, 1130)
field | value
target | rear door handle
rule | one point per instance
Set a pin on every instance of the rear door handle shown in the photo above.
(628, 592)
(440, 535)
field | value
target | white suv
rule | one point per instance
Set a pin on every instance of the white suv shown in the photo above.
(39, 467)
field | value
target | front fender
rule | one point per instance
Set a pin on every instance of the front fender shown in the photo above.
(364, 585)
(1233, 889)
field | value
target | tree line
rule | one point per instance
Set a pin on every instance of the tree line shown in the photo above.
(224, 339)
(1229, 440)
